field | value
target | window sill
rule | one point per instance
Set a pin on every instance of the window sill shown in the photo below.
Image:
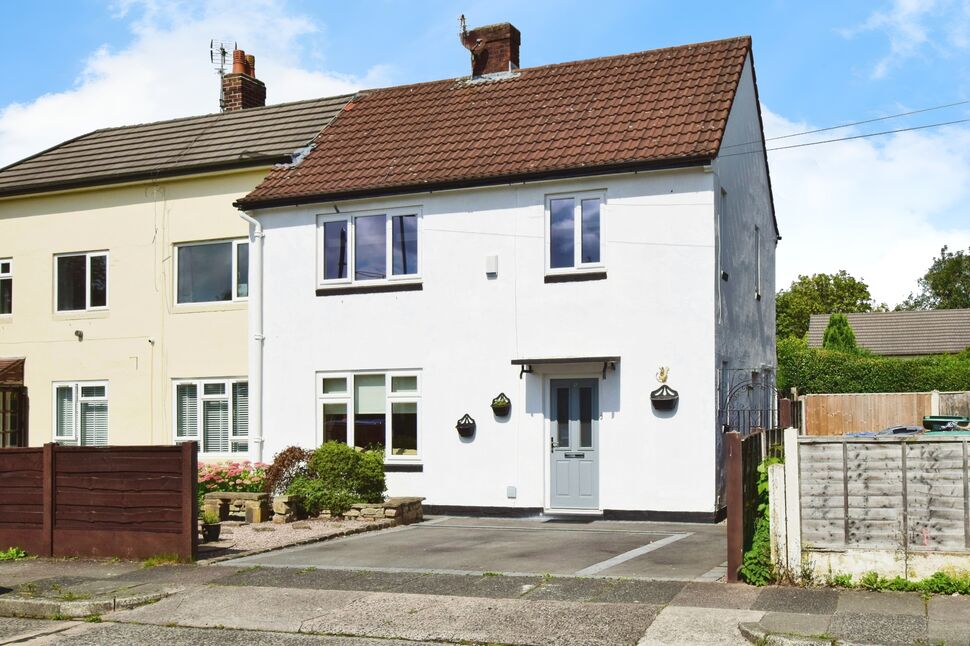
(403, 467)
(215, 306)
(370, 289)
(575, 277)
(74, 315)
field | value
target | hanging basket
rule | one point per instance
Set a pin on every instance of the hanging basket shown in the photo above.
(664, 398)
(466, 426)
(501, 405)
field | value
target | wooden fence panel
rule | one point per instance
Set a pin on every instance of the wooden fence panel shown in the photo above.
(888, 493)
(129, 502)
(863, 412)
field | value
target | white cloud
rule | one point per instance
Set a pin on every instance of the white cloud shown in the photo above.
(913, 25)
(879, 208)
(164, 72)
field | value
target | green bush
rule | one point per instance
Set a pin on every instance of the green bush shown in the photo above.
(756, 566)
(816, 370)
(942, 582)
(338, 476)
(839, 335)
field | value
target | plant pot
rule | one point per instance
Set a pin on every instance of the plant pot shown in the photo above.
(466, 426)
(211, 532)
(501, 405)
(664, 398)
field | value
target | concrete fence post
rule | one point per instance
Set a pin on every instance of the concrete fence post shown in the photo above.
(777, 516)
(934, 403)
(793, 507)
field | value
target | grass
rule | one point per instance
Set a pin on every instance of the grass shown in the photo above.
(161, 559)
(492, 574)
(67, 595)
(93, 619)
(947, 581)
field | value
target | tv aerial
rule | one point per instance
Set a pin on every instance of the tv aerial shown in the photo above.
(219, 54)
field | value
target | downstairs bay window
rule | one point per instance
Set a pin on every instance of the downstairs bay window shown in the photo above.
(81, 413)
(370, 411)
(214, 413)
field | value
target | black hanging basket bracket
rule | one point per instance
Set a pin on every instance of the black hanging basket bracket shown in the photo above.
(664, 398)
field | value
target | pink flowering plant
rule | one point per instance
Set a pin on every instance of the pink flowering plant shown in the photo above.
(232, 476)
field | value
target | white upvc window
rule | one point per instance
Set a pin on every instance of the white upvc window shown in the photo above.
(6, 286)
(213, 412)
(368, 247)
(212, 272)
(81, 281)
(575, 229)
(371, 410)
(81, 413)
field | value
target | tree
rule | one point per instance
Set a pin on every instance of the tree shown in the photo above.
(819, 294)
(946, 284)
(839, 335)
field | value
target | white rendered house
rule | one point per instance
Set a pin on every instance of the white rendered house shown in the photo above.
(553, 234)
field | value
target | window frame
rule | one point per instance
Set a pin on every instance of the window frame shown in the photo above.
(390, 398)
(77, 400)
(350, 218)
(227, 396)
(88, 255)
(233, 267)
(7, 275)
(578, 266)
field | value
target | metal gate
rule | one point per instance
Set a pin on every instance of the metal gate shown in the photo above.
(13, 416)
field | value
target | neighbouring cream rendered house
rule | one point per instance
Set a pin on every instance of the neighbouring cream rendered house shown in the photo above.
(124, 276)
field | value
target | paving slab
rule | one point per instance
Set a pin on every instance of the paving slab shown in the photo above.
(882, 603)
(685, 625)
(505, 621)
(816, 601)
(879, 628)
(793, 623)
(14, 573)
(949, 620)
(732, 596)
(15, 629)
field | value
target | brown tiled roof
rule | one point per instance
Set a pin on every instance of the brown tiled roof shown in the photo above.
(660, 107)
(252, 137)
(12, 371)
(902, 333)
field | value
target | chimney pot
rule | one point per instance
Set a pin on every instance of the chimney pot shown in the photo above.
(495, 48)
(241, 89)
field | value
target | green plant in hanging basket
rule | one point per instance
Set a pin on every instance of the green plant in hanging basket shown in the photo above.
(501, 405)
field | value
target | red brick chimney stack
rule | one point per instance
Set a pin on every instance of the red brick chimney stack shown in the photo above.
(241, 89)
(494, 48)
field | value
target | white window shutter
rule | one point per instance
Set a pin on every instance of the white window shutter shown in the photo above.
(64, 415)
(240, 409)
(215, 426)
(186, 411)
(94, 423)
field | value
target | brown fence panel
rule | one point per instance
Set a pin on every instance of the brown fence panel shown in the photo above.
(743, 457)
(124, 501)
(864, 412)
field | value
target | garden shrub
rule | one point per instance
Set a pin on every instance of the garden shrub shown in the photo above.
(338, 476)
(756, 566)
(289, 464)
(839, 335)
(817, 370)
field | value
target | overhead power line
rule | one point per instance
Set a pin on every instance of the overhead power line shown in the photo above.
(870, 134)
(854, 123)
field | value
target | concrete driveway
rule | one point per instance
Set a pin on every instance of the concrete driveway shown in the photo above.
(559, 547)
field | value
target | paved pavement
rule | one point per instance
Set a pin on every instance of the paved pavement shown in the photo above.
(675, 551)
(405, 598)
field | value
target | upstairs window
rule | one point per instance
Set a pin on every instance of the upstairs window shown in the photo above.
(81, 413)
(574, 232)
(6, 286)
(81, 281)
(214, 413)
(368, 247)
(212, 272)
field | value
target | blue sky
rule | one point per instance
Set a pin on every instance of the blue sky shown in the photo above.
(69, 67)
